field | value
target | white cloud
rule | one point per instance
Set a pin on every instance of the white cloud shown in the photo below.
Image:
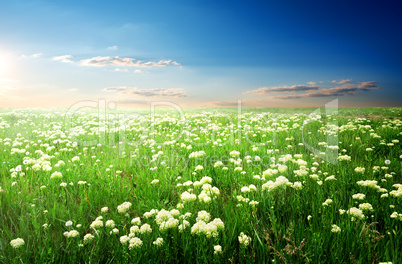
(169, 92)
(73, 90)
(37, 55)
(138, 71)
(63, 58)
(311, 83)
(343, 90)
(113, 47)
(342, 81)
(120, 70)
(125, 62)
(292, 89)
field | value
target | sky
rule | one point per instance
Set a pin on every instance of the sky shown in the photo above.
(200, 53)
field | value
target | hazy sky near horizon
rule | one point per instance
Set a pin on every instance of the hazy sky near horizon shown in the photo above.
(200, 53)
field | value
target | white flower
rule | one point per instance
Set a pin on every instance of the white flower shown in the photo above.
(56, 175)
(356, 212)
(104, 209)
(145, 228)
(387, 162)
(188, 197)
(110, 224)
(69, 223)
(360, 169)
(135, 242)
(97, 224)
(124, 239)
(72, 233)
(335, 229)
(136, 221)
(17, 243)
(366, 207)
(158, 242)
(63, 184)
(203, 216)
(244, 240)
(327, 202)
(358, 196)
(156, 181)
(88, 238)
(124, 207)
(217, 249)
(199, 167)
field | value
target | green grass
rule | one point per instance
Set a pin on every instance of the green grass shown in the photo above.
(116, 161)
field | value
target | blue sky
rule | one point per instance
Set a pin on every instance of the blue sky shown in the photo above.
(200, 53)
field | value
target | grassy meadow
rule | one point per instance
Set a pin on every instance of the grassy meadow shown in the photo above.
(267, 185)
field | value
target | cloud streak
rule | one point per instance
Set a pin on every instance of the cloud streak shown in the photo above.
(115, 61)
(155, 92)
(63, 58)
(292, 89)
(343, 90)
(342, 81)
(125, 62)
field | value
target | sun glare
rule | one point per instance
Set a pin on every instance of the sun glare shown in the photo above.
(2, 64)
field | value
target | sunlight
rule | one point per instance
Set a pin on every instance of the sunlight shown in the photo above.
(2, 64)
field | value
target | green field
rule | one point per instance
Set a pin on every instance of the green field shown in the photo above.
(268, 185)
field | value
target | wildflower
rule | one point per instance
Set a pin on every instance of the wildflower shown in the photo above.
(124, 207)
(184, 225)
(17, 243)
(63, 184)
(69, 223)
(145, 228)
(327, 202)
(199, 167)
(110, 224)
(96, 224)
(297, 185)
(217, 249)
(244, 240)
(358, 196)
(360, 169)
(156, 181)
(356, 213)
(135, 242)
(253, 203)
(158, 242)
(72, 233)
(88, 238)
(188, 197)
(203, 216)
(330, 178)
(335, 229)
(136, 221)
(387, 162)
(309, 217)
(197, 154)
(124, 239)
(366, 207)
(104, 209)
(56, 175)
(218, 164)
